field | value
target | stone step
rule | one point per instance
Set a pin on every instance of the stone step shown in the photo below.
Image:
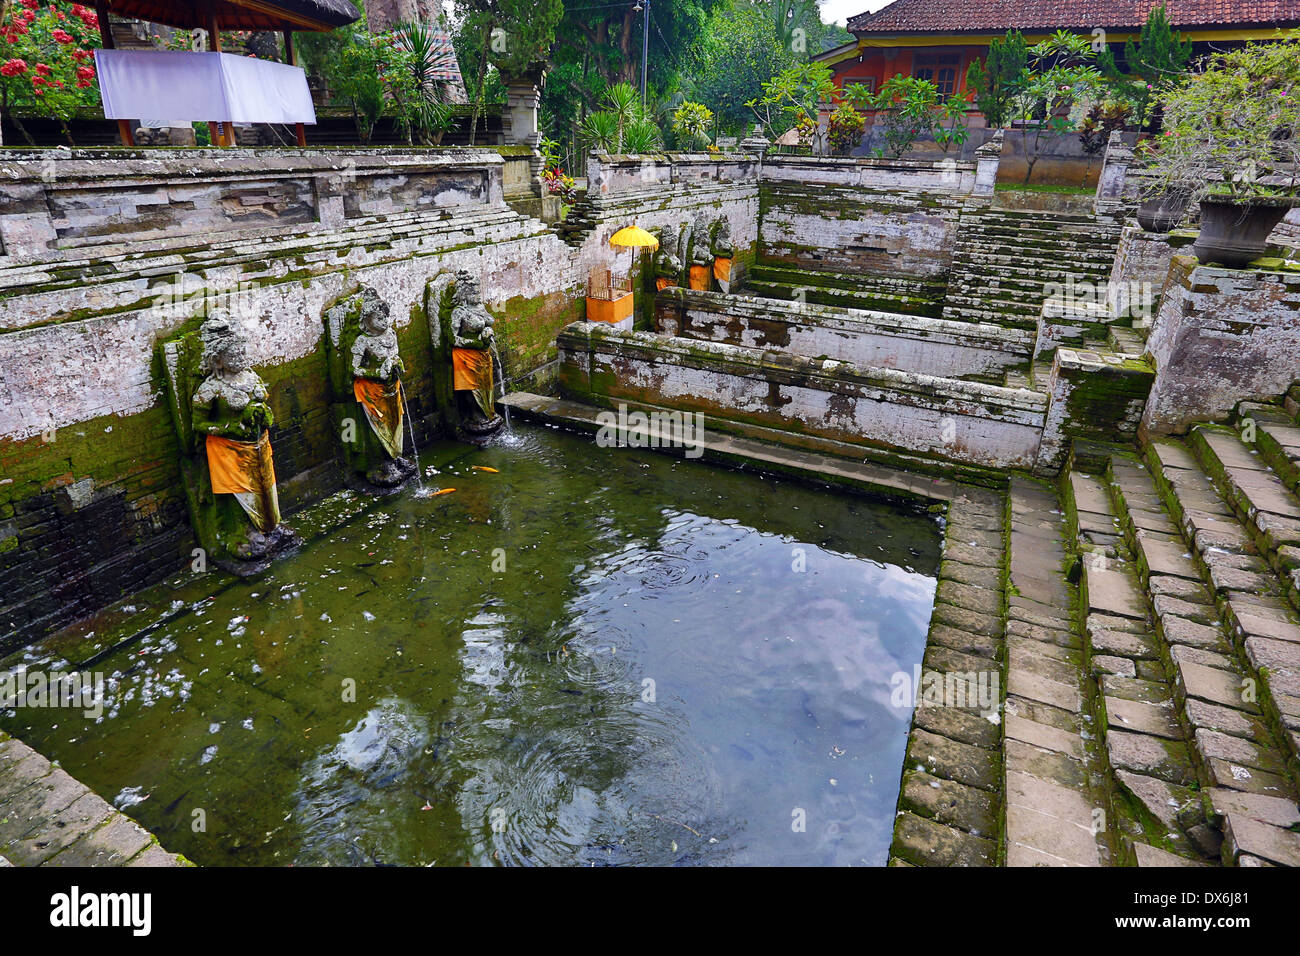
(971, 246)
(1044, 244)
(1125, 340)
(1053, 808)
(1261, 500)
(991, 315)
(1261, 626)
(1233, 748)
(1152, 766)
(994, 300)
(991, 264)
(1276, 438)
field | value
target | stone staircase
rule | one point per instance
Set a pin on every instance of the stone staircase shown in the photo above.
(1005, 260)
(1189, 559)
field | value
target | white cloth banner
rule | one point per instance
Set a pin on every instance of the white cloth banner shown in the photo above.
(202, 86)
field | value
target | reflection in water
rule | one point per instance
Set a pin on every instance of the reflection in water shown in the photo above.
(676, 665)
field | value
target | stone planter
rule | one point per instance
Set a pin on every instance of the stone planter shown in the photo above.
(1163, 212)
(1235, 232)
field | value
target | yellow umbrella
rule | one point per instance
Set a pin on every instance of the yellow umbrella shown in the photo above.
(633, 237)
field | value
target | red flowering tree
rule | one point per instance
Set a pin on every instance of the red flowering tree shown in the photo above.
(46, 64)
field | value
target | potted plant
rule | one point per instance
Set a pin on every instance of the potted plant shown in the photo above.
(1232, 142)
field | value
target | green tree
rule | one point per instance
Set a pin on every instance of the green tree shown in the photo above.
(738, 51)
(513, 36)
(1155, 62)
(994, 78)
(792, 96)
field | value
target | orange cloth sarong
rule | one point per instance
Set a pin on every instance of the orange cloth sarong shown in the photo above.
(383, 407)
(240, 466)
(472, 371)
(663, 282)
(722, 272)
(246, 469)
(700, 277)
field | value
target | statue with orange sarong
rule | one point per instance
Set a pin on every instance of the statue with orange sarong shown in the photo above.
(369, 402)
(724, 253)
(229, 414)
(473, 341)
(667, 264)
(377, 371)
(701, 269)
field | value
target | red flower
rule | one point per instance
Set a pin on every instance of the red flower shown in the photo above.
(62, 36)
(14, 67)
(43, 69)
(85, 72)
(31, 4)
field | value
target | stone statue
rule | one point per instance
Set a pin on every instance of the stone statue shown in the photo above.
(473, 344)
(701, 255)
(230, 413)
(377, 371)
(667, 264)
(723, 252)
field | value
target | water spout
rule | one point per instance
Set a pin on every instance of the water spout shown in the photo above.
(501, 379)
(415, 451)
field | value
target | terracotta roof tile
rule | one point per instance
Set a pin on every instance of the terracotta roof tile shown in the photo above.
(952, 16)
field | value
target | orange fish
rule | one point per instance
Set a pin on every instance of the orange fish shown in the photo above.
(485, 468)
(442, 491)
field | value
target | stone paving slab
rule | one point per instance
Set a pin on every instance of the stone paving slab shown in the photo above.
(48, 818)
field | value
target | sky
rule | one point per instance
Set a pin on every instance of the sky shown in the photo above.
(837, 11)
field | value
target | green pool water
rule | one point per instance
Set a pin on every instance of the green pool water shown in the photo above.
(590, 657)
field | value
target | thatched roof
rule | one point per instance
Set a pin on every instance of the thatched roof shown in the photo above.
(241, 14)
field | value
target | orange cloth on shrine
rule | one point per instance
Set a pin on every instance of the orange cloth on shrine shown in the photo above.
(663, 282)
(240, 466)
(382, 401)
(700, 277)
(383, 407)
(722, 269)
(471, 369)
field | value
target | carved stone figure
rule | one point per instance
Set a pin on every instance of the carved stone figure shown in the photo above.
(377, 371)
(723, 253)
(473, 345)
(667, 264)
(366, 374)
(230, 415)
(701, 266)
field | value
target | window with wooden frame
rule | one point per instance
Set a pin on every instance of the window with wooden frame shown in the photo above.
(939, 68)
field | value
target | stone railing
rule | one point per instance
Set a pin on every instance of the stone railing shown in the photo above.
(950, 176)
(59, 199)
(609, 174)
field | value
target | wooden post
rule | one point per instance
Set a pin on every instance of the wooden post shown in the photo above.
(106, 38)
(221, 132)
(291, 57)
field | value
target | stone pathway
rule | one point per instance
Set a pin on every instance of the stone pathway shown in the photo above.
(950, 802)
(1056, 809)
(47, 818)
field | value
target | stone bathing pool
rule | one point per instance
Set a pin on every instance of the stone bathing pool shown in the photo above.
(589, 656)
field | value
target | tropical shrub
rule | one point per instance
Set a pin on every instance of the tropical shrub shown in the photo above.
(692, 122)
(1234, 128)
(46, 64)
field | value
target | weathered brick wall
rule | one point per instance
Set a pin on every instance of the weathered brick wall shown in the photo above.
(806, 401)
(856, 229)
(1221, 336)
(878, 339)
